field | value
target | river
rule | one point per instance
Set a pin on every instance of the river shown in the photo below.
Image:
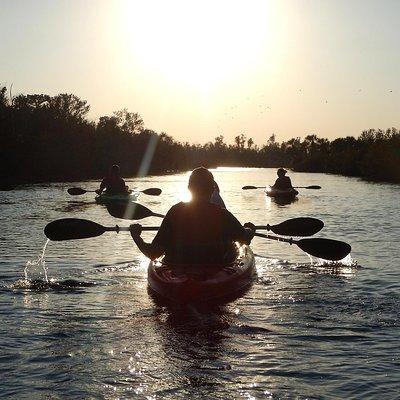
(304, 330)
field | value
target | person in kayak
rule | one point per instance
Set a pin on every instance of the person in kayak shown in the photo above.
(283, 182)
(113, 183)
(216, 197)
(196, 232)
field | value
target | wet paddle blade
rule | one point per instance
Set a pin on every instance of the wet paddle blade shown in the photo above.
(76, 191)
(326, 249)
(303, 226)
(72, 228)
(152, 191)
(129, 210)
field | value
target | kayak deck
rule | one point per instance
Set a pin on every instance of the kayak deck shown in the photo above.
(105, 198)
(280, 193)
(202, 283)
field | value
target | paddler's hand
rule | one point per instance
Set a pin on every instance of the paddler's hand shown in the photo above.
(135, 230)
(251, 230)
(250, 225)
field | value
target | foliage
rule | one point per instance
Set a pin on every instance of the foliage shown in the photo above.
(48, 138)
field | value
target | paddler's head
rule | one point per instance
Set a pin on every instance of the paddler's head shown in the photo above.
(201, 184)
(281, 172)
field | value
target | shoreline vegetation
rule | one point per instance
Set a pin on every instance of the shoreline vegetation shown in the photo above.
(50, 138)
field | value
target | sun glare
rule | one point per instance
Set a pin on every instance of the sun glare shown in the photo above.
(198, 45)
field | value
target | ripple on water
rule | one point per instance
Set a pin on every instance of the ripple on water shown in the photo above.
(304, 330)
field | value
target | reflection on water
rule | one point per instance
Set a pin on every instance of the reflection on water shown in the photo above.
(52, 284)
(306, 329)
(72, 206)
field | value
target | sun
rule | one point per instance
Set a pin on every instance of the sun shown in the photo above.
(197, 45)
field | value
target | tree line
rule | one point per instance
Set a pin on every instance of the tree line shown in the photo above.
(50, 138)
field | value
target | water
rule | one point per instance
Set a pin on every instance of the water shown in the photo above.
(302, 331)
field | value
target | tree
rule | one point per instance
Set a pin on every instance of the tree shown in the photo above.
(130, 123)
(240, 140)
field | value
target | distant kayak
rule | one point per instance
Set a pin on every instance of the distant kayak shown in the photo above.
(281, 194)
(106, 198)
(201, 283)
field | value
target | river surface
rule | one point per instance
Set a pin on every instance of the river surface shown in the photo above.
(304, 330)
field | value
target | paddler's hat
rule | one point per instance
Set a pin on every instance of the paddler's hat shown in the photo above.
(116, 169)
(281, 171)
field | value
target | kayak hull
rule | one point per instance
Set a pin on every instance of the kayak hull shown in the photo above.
(184, 284)
(288, 194)
(106, 198)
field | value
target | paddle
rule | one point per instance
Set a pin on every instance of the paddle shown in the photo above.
(326, 249)
(130, 210)
(302, 226)
(74, 228)
(295, 187)
(75, 191)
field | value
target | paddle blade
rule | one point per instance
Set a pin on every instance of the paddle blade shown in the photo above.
(129, 210)
(249, 187)
(72, 228)
(313, 187)
(326, 249)
(152, 191)
(76, 191)
(303, 226)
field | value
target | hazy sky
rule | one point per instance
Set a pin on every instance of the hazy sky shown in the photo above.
(198, 69)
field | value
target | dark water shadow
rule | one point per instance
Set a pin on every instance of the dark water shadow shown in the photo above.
(283, 202)
(73, 206)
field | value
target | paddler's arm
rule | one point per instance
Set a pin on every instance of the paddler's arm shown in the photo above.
(102, 187)
(238, 232)
(150, 250)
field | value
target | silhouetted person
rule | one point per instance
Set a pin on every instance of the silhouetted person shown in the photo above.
(216, 197)
(196, 232)
(283, 182)
(113, 183)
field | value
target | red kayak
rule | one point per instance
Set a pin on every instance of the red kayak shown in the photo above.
(202, 283)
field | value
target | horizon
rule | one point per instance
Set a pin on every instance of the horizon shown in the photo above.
(293, 69)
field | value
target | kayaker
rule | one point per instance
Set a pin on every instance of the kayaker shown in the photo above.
(198, 231)
(283, 182)
(113, 183)
(216, 197)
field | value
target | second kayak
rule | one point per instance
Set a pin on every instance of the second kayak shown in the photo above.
(288, 194)
(106, 198)
(185, 284)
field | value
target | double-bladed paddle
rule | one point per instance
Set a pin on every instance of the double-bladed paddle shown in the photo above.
(327, 249)
(74, 228)
(294, 187)
(302, 226)
(75, 191)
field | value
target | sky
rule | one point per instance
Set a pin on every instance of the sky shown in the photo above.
(200, 69)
